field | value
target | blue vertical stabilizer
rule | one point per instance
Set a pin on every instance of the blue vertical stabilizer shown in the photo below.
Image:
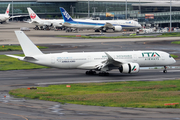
(66, 16)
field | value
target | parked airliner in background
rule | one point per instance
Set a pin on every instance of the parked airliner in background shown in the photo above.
(125, 61)
(103, 25)
(43, 23)
(5, 17)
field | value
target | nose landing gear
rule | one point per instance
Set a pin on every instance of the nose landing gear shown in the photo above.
(165, 70)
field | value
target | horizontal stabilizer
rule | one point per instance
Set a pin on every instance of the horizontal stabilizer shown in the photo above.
(18, 57)
(23, 58)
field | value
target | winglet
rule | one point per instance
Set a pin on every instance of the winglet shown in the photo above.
(66, 16)
(109, 57)
(112, 61)
(32, 14)
(7, 10)
(29, 48)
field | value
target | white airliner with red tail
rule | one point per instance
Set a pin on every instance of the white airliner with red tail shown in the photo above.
(126, 61)
(40, 22)
(5, 17)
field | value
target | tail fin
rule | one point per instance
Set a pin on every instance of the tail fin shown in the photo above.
(66, 16)
(7, 10)
(29, 48)
(33, 15)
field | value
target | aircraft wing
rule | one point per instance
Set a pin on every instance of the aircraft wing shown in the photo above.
(18, 16)
(107, 26)
(66, 24)
(104, 65)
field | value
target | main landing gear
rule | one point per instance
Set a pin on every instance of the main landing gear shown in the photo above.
(102, 73)
(90, 72)
(165, 70)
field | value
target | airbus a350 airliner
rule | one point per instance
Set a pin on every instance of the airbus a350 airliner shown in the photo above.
(125, 61)
(116, 25)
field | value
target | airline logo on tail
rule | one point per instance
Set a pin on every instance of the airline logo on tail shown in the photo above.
(33, 15)
(7, 11)
(65, 15)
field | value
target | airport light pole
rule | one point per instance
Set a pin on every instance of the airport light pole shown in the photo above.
(139, 7)
(12, 9)
(72, 10)
(126, 9)
(88, 8)
(170, 15)
(94, 9)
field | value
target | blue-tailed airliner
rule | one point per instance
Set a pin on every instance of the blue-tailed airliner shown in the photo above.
(116, 25)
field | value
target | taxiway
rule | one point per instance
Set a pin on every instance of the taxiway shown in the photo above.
(25, 109)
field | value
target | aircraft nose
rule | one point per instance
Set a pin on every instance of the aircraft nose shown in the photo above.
(173, 61)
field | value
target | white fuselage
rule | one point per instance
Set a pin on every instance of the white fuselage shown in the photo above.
(88, 60)
(41, 22)
(4, 17)
(96, 24)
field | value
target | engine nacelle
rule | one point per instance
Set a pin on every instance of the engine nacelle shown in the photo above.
(117, 28)
(56, 24)
(44, 23)
(129, 68)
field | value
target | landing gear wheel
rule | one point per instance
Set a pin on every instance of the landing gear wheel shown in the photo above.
(90, 72)
(103, 74)
(97, 30)
(165, 71)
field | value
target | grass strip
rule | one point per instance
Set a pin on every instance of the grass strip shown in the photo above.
(141, 94)
(175, 34)
(15, 47)
(103, 37)
(8, 63)
(174, 56)
(175, 42)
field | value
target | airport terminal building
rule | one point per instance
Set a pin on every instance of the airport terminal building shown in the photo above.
(155, 12)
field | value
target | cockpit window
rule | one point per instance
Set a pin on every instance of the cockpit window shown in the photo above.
(170, 56)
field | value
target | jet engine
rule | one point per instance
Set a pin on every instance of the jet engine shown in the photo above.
(47, 23)
(56, 24)
(41, 23)
(117, 28)
(129, 68)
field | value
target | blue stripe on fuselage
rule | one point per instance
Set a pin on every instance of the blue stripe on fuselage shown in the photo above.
(99, 24)
(90, 23)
